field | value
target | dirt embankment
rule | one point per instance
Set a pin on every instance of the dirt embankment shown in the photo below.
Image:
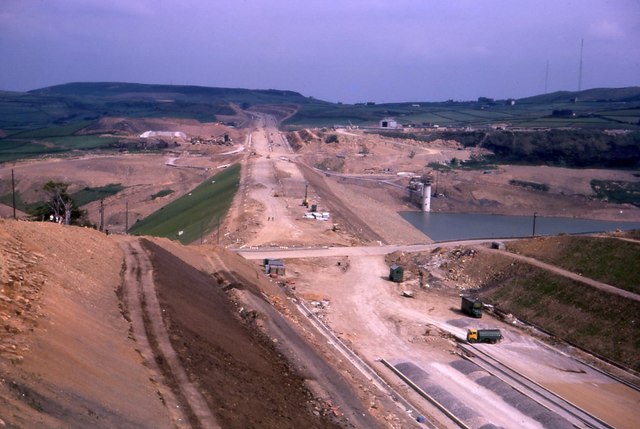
(66, 359)
(564, 304)
(244, 378)
(350, 221)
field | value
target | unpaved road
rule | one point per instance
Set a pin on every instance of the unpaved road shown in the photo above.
(322, 378)
(267, 190)
(414, 331)
(150, 333)
(481, 245)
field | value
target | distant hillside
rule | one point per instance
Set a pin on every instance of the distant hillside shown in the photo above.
(628, 94)
(89, 101)
(165, 93)
(73, 103)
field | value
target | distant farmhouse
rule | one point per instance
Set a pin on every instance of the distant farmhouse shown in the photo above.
(388, 123)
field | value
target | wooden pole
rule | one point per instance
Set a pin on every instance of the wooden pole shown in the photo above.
(102, 214)
(13, 188)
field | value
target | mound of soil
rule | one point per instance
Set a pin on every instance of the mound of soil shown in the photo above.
(245, 380)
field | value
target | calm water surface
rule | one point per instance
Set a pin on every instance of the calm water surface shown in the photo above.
(461, 226)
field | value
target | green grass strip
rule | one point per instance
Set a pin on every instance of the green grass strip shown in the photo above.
(88, 195)
(607, 260)
(195, 213)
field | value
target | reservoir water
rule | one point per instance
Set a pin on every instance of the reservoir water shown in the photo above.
(461, 226)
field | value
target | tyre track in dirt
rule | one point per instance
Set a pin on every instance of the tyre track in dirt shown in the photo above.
(154, 345)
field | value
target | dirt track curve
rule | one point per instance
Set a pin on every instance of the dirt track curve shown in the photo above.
(151, 335)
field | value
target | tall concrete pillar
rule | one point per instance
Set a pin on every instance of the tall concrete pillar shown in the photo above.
(426, 197)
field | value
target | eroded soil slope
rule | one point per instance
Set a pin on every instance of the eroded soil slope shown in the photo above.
(66, 359)
(245, 380)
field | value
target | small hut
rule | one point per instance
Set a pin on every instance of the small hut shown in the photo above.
(396, 273)
(274, 267)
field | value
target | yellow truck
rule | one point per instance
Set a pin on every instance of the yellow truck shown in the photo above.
(484, 335)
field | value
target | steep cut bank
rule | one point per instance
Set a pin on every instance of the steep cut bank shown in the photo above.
(66, 358)
(244, 378)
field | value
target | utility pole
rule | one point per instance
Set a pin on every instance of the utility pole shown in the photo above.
(535, 214)
(218, 240)
(102, 215)
(305, 202)
(126, 218)
(13, 188)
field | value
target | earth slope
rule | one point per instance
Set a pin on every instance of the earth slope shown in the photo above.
(65, 356)
(69, 357)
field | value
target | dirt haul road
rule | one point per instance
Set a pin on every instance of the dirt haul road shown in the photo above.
(151, 335)
(267, 188)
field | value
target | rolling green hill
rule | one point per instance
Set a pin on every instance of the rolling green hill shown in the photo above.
(168, 93)
(46, 120)
(615, 95)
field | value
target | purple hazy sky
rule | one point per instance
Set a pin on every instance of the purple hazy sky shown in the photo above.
(336, 50)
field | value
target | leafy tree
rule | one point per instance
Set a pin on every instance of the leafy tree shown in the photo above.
(331, 138)
(60, 205)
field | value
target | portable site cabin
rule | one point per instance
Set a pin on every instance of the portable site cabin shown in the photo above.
(396, 273)
(274, 266)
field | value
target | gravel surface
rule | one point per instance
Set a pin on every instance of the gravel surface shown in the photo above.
(517, 400)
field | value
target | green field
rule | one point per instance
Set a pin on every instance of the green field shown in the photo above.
(14, 149)
(58, 131)
(194, 214)
(88, 195)
(607, 260)
(595, 320)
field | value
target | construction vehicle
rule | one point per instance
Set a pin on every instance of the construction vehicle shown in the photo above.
(471, 306)
(484, 335)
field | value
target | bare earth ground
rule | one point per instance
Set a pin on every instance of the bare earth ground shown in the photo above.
(368, 312)
(66, 358)
(66, 353)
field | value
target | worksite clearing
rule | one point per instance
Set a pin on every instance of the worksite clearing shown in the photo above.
(324, 345)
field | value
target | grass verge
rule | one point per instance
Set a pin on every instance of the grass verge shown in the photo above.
(595, 320)
(607, 260)
(194, 214)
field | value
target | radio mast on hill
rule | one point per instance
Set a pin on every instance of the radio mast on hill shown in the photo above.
(580, 70)
(546, 78)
